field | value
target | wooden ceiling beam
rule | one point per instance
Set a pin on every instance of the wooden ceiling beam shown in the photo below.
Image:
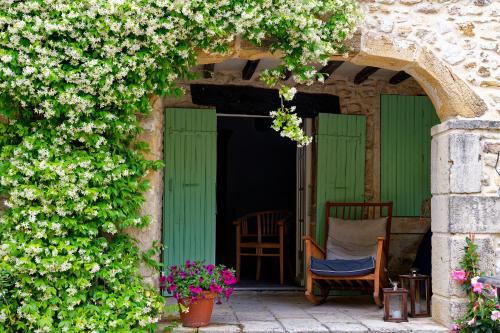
(249, 69)
(330, 68)
(208, 71)
(364, 74)
(288, 74)
(399, 77)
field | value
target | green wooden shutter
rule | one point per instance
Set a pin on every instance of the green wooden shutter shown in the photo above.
(340, 169)
(405, 143)
(189, 197)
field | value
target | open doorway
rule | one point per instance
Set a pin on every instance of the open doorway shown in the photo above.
(256, 171)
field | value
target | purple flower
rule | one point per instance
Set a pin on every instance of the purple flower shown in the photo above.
(182, 274)
(210, 269)
(195, 290)
(170, 278)
(172, 288)
(162, 282)
(228, 292)
(215, 288)
(177, 296)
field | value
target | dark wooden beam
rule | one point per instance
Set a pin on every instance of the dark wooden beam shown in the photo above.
(364, 74)
(288, 74)
(330, 68)
(399, 77)
(259, 101)
(208, 71)
(249, 69)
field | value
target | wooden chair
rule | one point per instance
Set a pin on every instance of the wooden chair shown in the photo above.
(372, 282)
(261, 234)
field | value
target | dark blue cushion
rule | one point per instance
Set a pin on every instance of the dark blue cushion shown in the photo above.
(340, 267)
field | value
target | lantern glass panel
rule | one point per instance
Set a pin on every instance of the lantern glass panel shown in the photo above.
(395, 308)
(420, 297)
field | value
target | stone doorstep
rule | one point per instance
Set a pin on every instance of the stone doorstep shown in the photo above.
(368, 326)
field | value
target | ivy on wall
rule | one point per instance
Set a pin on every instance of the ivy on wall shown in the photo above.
(74, 74)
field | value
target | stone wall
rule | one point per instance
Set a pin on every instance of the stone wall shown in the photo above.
(465, 34)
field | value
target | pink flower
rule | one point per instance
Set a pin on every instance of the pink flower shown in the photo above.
(472, 322)
(177, 296)
(460, 275)
(228, 292)
(455, 328)
(172, 288)
(495, 315)
(162, 282)
(210, 269)
(215, 288)
(477, 286)
(195, 290)
(170, 278)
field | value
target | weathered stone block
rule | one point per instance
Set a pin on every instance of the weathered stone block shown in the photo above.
(440, 167)
(447, 252)
(475, 214)
(465, 172)
(440, 213)
(445, 310)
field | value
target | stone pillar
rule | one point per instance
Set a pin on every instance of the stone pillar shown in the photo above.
(153, 135)
(465, 189)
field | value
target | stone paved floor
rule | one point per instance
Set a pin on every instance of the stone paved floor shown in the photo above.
(259, 312)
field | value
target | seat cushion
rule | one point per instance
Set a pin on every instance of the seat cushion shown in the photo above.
(340, 267)
(354, 239)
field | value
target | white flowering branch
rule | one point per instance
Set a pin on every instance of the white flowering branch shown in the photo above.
(286, 121)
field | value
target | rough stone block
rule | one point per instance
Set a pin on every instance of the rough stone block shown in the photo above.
(445, 310)
(440, 213)
(262, 326)
(447, 252)
(346, 328)
(465, 170)
(476, 214)
(220, 329)
(440, 165)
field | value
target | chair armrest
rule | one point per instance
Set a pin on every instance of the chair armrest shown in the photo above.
(380, 261)
(312, 249)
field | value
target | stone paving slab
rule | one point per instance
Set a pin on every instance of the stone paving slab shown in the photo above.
(280, 312)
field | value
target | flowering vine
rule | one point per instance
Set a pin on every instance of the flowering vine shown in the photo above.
(74, 75)
(286, 121)
(483, 310)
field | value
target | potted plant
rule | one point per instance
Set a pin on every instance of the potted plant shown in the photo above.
(196, 286)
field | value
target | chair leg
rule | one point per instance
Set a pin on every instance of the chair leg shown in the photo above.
(282, 273)
(257, 277)
(377, 299)
(238, 264)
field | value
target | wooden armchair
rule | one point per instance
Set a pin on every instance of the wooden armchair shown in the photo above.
(374, 281)
(260, 235)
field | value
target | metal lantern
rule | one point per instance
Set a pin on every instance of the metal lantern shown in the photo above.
(418, 286)
(395, 304)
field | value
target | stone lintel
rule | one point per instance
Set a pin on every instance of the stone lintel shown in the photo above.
(462, 124)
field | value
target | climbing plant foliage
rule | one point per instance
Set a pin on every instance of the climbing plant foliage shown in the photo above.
(74, 75)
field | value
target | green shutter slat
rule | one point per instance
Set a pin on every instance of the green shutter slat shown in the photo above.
(340, 169)
(189, 205)
(405, 151)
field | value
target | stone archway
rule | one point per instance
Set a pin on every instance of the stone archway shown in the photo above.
(451, 96)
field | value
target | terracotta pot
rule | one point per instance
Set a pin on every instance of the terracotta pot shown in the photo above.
(200, 310)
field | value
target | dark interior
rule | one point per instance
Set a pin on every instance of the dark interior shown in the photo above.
(255, 172)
